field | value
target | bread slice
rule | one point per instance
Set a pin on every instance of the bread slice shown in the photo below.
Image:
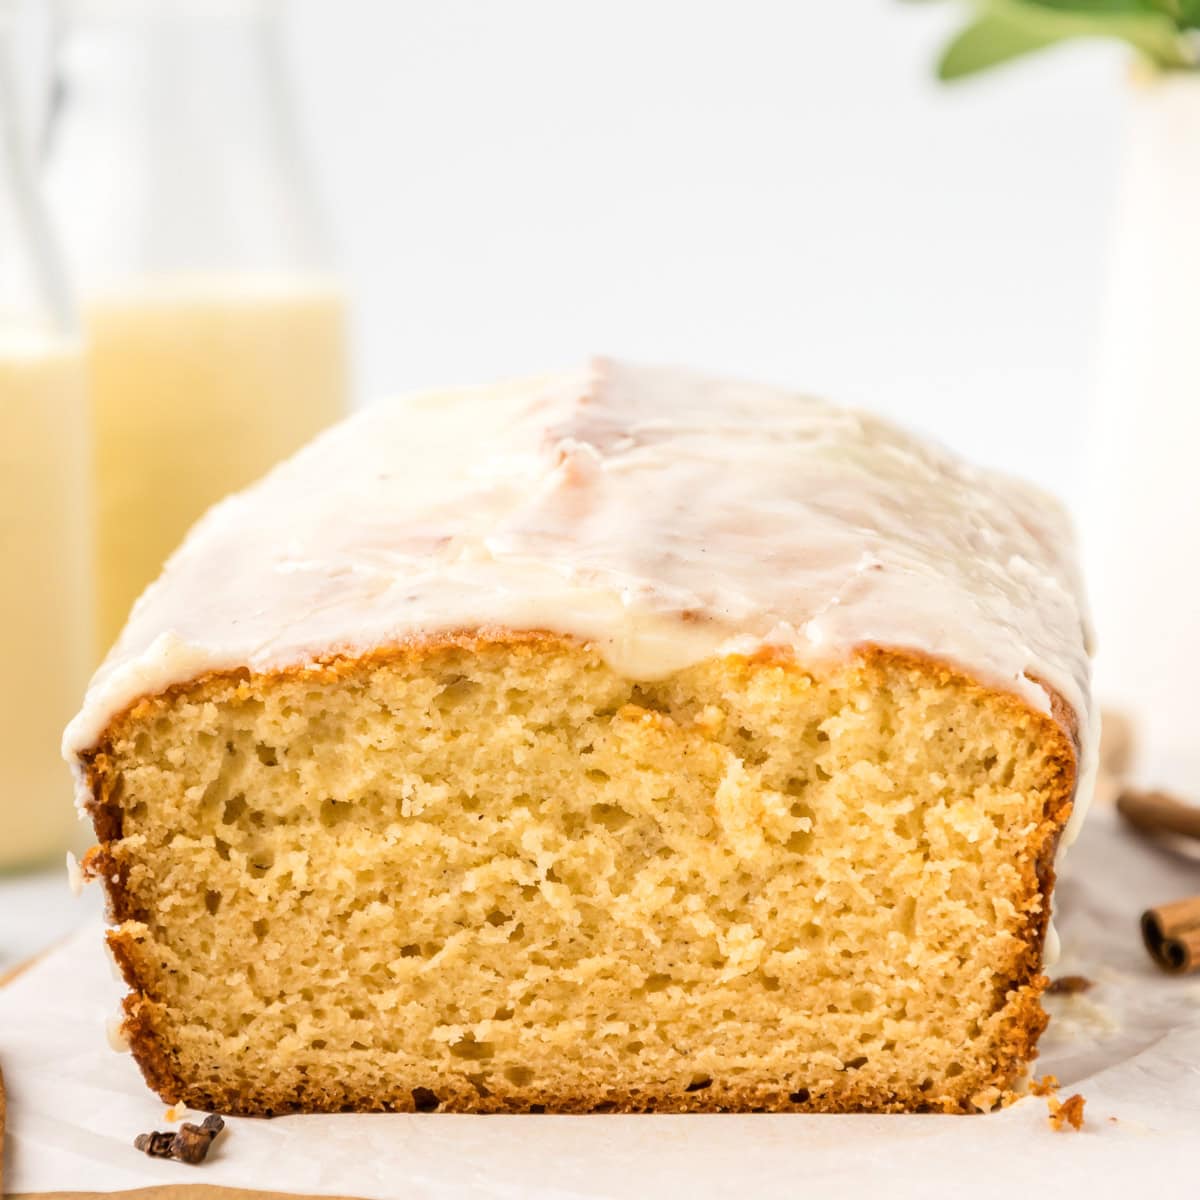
(491, 875)
(623, 742)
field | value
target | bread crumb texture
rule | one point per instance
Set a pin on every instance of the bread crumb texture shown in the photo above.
(1066, 1114)
(490, 874)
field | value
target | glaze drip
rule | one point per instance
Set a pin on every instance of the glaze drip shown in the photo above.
(663, 515)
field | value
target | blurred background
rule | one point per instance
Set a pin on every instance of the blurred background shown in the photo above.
(770, 188)
(374, 196)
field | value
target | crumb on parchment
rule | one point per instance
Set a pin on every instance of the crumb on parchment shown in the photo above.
(1063, 1113)
(1066, 1112)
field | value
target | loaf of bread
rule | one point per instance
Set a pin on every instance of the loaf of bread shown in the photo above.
(621, 740)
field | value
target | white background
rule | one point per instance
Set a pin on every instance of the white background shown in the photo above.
(776, 188)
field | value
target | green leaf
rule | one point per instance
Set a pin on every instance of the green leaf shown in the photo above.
(1175, 9)
(1167, 7)
(987, 42)
(1008, 29)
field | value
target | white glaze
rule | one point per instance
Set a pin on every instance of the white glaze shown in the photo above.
(607, 503)
(75, 876)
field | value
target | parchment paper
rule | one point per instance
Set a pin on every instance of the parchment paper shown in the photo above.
(1131, 1046)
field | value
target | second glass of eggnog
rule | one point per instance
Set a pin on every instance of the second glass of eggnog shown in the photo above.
(197, 387)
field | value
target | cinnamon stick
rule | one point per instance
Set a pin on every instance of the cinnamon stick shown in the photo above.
(1172, 935)
(1159, 812)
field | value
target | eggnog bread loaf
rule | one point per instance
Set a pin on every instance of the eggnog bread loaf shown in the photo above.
(620, 740)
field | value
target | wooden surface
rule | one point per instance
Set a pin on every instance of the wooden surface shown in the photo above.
(171, 1191)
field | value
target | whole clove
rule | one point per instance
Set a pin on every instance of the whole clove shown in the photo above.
(1068, 985)
(190, 1144)
(156, 1144)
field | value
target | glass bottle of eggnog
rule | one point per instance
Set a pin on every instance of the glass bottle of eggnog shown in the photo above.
(44, 576)
(215, 329)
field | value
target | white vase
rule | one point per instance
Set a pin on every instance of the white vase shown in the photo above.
(1142, 525)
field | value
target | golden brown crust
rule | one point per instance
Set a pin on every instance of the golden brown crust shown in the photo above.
(1018, 993)
(443, 1094)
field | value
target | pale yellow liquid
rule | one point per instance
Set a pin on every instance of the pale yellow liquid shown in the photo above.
(45, 609)
(196, 391)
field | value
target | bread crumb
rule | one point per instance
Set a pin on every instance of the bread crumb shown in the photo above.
(1062, 1112)
(1066, 1112)
(710, 720)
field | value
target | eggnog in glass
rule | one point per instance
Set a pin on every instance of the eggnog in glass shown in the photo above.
(215, 327)
(44, 584)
